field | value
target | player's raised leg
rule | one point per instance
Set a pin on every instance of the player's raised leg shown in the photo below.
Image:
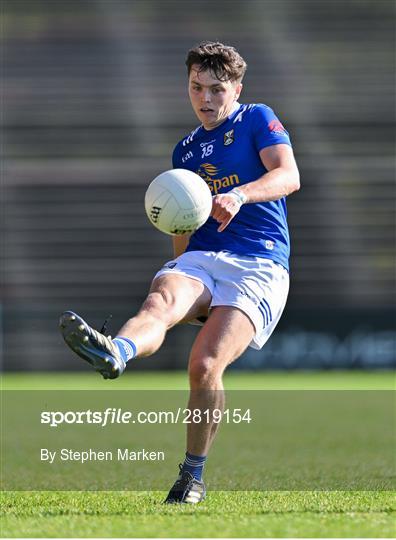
(224, 337)
(171, 299)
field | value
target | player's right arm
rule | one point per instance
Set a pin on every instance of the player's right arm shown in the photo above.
(180, 243)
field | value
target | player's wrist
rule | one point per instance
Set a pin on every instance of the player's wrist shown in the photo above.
(239, 195)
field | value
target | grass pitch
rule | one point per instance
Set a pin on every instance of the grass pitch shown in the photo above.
(224, 514)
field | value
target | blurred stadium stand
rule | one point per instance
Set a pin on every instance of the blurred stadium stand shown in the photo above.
(94, 99)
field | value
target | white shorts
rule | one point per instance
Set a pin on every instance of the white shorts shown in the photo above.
(257, 286)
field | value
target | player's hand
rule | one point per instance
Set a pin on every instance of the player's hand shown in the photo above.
(224, 208)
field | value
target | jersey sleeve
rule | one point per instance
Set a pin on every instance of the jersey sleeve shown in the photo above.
(267, 129)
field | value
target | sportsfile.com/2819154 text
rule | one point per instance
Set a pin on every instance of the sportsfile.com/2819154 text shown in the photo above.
(112, 415)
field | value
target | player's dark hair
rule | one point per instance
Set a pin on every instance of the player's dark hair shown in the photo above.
(222, 60)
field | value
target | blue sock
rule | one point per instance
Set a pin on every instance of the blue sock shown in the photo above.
(126, 347)
(194, 465)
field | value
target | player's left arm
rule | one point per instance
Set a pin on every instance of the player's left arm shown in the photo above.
(281, 179)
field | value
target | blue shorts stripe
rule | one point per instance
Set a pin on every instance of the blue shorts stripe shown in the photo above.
(264, 301)
(265, 311)
(264, 314)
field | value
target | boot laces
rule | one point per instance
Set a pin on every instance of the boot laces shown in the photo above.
(103, 330)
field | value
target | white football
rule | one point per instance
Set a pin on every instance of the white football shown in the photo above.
(178, 201)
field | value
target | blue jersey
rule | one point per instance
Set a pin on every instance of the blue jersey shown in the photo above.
(227, 157)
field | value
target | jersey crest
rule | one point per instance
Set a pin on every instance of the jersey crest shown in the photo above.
(229, 137)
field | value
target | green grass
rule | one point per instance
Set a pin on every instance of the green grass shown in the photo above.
(351, 514)
(176, 380)
(224, 514)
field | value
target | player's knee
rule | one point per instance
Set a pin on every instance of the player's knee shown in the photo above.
(204, 371)
(160, 304)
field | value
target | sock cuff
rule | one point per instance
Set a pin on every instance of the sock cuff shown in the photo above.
(194, 460)
(127, 344)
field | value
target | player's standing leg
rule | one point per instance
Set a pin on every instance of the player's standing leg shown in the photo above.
(224, 337)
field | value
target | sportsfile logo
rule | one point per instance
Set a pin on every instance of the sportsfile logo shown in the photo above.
(207, 171)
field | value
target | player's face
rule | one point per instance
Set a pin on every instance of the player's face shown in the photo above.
(211, 99)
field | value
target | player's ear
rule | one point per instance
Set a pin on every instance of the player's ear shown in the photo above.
(238, 90)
